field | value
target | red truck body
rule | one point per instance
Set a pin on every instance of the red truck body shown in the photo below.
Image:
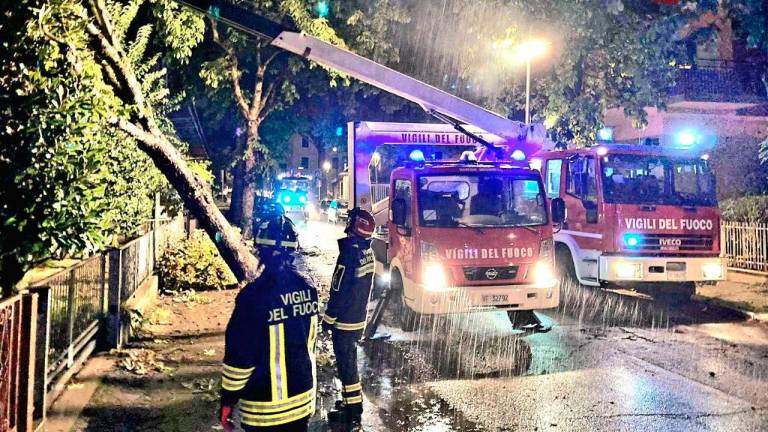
(636, 215)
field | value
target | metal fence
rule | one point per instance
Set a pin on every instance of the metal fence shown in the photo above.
(745, 245)
(77, 304)
(379, 192)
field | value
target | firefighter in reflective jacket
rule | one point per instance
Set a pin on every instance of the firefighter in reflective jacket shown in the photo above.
(345, 315)
(269, 358)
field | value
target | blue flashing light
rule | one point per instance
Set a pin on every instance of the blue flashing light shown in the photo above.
(339, 131)
(518, 155)
(417, 156)
(605, 134)
(632, 241)
(322, 8)
(286, 199)
(687, 138)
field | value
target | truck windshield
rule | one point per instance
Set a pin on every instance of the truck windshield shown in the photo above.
(480, 201)
(294, 184)
(638, 179)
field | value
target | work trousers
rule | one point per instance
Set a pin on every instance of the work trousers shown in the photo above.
(345, 349)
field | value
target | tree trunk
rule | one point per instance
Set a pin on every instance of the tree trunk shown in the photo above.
(236, 201)
(249, 192)
(197, 197)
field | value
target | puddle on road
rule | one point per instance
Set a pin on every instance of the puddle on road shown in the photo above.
(395, 374)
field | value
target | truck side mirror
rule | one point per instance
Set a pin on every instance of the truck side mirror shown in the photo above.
(591, 214)
(399, 212)
(558, 210)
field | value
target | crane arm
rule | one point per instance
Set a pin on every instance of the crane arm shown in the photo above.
(439, 103)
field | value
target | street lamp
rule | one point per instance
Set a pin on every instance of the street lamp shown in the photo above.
(326, 166)
(526, 52)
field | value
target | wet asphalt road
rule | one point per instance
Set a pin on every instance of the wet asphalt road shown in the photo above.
(611, 362)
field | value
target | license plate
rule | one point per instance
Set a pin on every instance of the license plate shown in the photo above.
(676, 275)
(496, 298)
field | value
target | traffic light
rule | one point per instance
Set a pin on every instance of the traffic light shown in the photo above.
(322, 8)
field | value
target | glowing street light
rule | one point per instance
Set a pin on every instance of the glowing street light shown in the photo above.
(525, 52)
(326, 166)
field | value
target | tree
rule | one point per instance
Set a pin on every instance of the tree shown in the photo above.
(258, 83)
(68, 185)
(99, 50)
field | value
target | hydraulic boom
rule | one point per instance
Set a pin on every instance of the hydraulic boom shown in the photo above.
(443, 105)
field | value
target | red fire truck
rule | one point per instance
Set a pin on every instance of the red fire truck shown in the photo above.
(470, 233)
(463, 235)
(642, 217)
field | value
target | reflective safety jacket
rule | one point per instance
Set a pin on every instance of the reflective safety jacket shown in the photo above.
(351, 285)
(269, 358)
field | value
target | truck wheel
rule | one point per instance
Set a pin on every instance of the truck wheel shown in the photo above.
(564, 263)
(407, 318)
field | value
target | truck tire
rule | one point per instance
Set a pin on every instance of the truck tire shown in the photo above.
(564, 263)
(406, 317)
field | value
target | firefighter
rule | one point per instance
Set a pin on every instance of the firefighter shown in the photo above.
(269, 358)
(345, 315)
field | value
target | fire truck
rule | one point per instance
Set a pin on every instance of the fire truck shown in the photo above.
(293, 193)
(473, 233)
(641, 217)
(469, 233)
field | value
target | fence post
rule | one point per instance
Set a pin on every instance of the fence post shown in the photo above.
(71, 293)
(42, 347)
(114, 294)
(27, 362)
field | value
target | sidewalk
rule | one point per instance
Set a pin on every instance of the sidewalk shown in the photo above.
(746, 292)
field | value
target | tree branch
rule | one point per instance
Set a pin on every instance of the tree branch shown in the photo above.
(234, 69)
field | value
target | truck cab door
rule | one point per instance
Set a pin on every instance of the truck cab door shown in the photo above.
(585, 223)
(401, 213)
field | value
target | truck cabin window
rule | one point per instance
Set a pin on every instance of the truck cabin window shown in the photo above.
(294, 184)
(480, 201)
(639, 179)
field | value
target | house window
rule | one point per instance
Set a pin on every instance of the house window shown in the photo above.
(335, 163)
(305, 142)
(304, 163)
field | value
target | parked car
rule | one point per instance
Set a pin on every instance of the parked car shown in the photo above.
(338, 210)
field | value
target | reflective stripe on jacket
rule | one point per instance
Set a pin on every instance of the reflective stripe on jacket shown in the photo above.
(351, 285)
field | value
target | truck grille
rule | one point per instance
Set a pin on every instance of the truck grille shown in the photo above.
(490, 273)
(675, 242)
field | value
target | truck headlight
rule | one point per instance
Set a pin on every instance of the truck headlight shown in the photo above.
(302, 199)
(286, 199)
(628, 270)
(434, 277)
(713, 270)
(544, 275)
